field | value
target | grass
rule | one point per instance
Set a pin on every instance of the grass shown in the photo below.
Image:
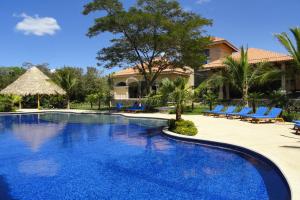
(86, 106)
(199, 109)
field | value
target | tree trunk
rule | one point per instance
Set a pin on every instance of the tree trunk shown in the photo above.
(68, 104)
(148, 88)
(91, 105)
(210, 105)
(99, 104)
(178, 112)
(38, 102)
(227, 88)
(245, 96)
(254, 105)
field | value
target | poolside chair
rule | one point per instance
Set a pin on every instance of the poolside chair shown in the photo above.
(230, 109)
(259, 112)
(272, 115)
(243, 111)
(296, 121)
(297, 128)
(119, 106)
(218, 108)
(136, 108)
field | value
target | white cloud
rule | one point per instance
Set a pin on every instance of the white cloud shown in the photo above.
(187, 8)
(36, 25)
(202, 1)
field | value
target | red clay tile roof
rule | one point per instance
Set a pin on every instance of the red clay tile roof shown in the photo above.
(218, 40)
(134, 71)
(254, 56)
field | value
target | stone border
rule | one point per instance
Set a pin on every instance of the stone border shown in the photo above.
(184, 138)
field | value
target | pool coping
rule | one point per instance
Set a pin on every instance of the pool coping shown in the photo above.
(172, 135)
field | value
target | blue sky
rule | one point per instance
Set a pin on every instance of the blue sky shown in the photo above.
(63, 42)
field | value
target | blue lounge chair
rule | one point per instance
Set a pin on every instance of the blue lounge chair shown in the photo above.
(297, 127)
(296, 121)
(244, 111)
(259, 112)
(136, 108)
(218, 108)
(272, 115)
(230, 109)
(119, 106)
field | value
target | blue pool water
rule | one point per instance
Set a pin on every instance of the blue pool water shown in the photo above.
(73, 156)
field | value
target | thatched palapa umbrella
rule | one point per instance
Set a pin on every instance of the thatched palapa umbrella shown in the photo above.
(33, 82)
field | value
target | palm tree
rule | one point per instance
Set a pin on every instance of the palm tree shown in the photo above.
(253, 98)
(210, 98)
(176, 91)
(67, 82)
(292, 48)
(17, 99)
(242, 75)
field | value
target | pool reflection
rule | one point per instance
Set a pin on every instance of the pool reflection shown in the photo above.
(35, 135)
(41, 168)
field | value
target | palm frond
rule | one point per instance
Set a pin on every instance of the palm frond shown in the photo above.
(235, 72)
(213, 81)
(166, 86)
(264, 72)
(296, 34)
(287, 43)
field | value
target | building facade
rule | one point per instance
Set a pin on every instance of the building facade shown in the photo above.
(129, 82)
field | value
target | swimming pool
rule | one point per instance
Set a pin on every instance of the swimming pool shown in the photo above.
(88, 156)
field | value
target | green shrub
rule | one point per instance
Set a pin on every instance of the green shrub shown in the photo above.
(183, 127)
(152, 101)
(290, 116)
(6, 104)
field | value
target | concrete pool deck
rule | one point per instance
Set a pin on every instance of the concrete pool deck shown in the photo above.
(275, 141)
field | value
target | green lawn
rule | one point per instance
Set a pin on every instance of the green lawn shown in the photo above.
(196, 111)
(86, 106)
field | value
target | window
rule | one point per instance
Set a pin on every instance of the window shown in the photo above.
(133, 90)
(121, 84)
(207, 54)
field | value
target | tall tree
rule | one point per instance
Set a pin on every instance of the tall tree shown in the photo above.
(243, 75)
(91, 79)
(67, 82)
(77, 92)
(292, 47)
(9, 75)
(153, 35)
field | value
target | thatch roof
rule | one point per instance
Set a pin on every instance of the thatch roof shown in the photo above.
(33, 82)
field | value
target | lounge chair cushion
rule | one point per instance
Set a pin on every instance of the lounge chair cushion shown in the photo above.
(261, 111)
(230, 109)
(273, 114)
(218, 108)
(244, 111)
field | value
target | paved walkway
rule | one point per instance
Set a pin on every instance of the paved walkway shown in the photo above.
(275, 141)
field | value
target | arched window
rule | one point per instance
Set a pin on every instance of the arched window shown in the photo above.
(121, 84)
(133, 90)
